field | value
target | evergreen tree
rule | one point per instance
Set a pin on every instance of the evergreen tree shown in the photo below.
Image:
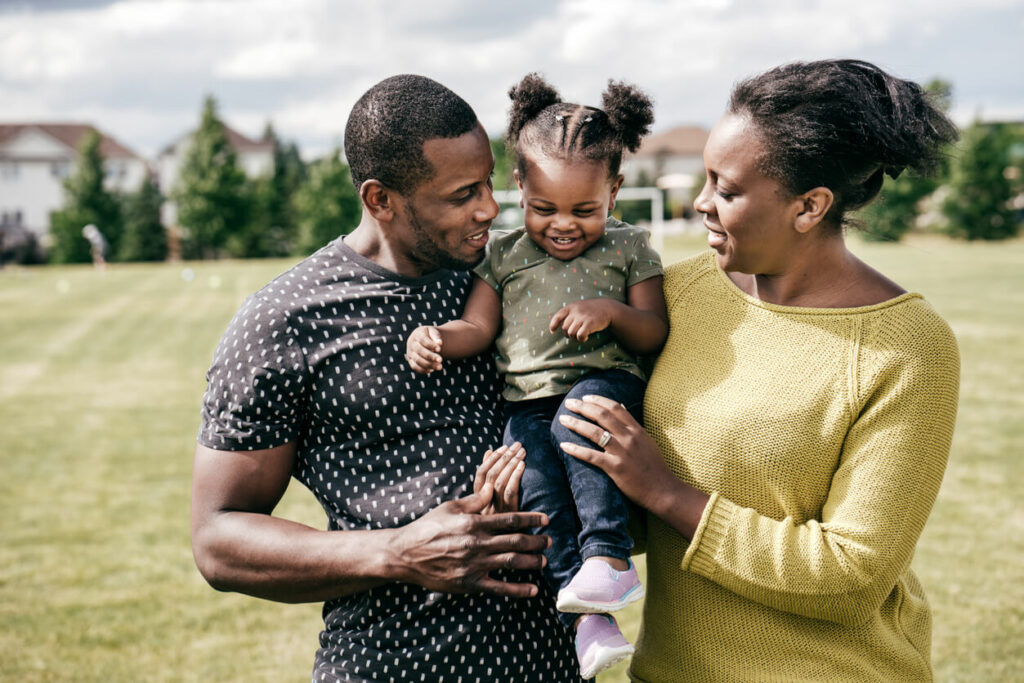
(326, 204)
(272, 229)
(144, 236)
(211, 193)
(87, 201)
(979, 204)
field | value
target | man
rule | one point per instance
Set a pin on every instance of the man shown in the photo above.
(310, 380)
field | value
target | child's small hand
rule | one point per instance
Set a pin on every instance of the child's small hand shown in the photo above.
(423, 350)
(580, 319)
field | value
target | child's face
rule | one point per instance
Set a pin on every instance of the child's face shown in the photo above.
(566, 204)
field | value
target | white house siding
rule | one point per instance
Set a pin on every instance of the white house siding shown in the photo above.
(33, 166)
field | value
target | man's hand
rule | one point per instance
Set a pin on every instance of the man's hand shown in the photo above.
(580, 319)
(503, 469)
(454, 548)
(423, 350)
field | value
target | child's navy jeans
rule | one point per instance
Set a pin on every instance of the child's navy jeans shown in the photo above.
(587, 514)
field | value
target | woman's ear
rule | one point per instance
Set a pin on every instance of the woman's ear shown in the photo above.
(814, 206)
(377, 200)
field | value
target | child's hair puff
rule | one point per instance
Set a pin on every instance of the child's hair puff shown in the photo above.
(541, 123)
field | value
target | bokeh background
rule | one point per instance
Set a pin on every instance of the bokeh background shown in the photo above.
(201, 138)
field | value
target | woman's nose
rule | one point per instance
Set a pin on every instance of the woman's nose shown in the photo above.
(702, 202)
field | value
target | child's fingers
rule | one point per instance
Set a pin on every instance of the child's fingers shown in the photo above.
(557, 318)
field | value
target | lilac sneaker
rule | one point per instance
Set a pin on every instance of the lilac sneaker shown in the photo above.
(599, 644)
(598, 588)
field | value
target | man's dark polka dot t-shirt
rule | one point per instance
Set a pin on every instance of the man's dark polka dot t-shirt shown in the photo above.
(318, 357)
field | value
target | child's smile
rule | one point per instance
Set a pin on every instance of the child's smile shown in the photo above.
(566, 203)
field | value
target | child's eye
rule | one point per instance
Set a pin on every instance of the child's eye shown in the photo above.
(543, 211)
(584, 213)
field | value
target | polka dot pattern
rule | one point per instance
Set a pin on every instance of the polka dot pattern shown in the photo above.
(317, 357)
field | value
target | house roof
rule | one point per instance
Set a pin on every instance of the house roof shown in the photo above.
(235, 139)
(678, 141)
(69, 134)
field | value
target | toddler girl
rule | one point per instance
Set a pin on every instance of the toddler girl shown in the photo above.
(576, 297)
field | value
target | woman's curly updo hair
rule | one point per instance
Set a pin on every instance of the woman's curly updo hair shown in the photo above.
(541, 123)
(841, 124)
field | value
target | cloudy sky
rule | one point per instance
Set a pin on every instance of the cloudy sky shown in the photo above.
(138, 69)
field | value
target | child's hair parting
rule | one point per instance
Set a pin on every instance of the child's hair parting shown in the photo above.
(541, 123)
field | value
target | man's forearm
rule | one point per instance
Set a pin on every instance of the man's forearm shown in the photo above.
(277, 559)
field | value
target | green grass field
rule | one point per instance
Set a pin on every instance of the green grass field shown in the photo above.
(100, 379)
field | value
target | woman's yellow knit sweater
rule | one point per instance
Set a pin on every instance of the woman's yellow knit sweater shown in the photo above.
(822, 436)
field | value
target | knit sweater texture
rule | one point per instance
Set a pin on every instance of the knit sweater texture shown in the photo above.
(822, 436)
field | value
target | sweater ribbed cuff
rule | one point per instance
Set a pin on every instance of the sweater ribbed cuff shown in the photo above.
(714, 524)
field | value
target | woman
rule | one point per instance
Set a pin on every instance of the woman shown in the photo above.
(802, 408)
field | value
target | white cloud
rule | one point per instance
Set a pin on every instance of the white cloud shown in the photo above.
(140, 65)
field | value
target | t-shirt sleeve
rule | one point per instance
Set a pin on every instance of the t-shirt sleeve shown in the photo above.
(485, 270)
(644, 262)
(256, 384)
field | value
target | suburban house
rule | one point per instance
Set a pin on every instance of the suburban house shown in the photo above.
(35, 158)
(256, 158)
(672, 160)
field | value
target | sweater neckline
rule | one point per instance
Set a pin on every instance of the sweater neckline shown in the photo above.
(734, 289)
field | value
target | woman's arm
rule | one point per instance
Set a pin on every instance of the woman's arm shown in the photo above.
(843, 564)
(641, 323)
(633, 461)
(473, 333)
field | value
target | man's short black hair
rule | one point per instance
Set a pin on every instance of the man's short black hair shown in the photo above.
(386, 130)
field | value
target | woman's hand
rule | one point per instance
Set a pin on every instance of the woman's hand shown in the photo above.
(630, 456)
(632, 459)
(502, 469)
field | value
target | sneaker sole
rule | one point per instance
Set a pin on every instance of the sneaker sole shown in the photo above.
(569, 602)
(606, 658)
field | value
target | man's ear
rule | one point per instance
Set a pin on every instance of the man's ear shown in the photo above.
(378, 200)
(814, 206)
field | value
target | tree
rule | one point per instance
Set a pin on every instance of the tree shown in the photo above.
(504, 165)
(144, 236)
(272, 228)
(87, 202)
(979, 203)
(211, 193)
(327, 205)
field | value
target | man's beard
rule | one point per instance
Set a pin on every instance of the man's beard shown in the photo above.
(430, 251)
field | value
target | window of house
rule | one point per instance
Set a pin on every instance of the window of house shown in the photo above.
(9, 170)
(60, 169)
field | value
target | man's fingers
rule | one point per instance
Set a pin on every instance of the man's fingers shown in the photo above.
(511, 523)
(476, 501)
(514, 590)
(508, 465)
